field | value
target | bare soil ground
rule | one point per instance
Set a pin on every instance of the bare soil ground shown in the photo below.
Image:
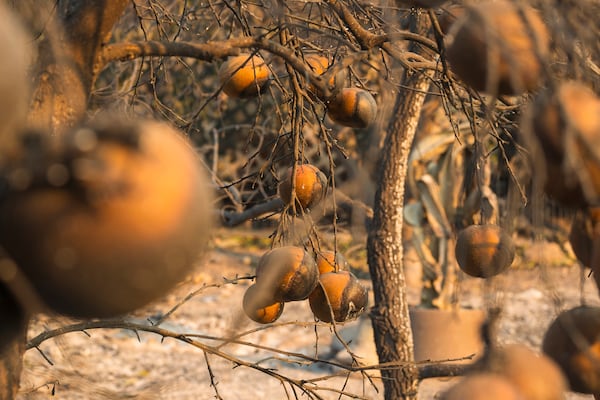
(121, 363)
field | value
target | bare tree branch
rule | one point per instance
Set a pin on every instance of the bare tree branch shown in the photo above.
(427, 369)
(369, 40)
(233, 218)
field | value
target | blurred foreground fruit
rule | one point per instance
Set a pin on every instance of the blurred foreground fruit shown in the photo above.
(353, 107)
(573, 341)
(535, 376)
(331, 261)
(310, 185)
(110, 223)
(287, 273)
(12, 318)
(448, 16)
(584, 238)
(343, 292)
(492, 51)
(585, 229)
(259, 307)
(482, 386)
(244, 75)
(483, 251)
(567, 128)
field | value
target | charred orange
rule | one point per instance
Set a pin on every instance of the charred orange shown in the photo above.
(118, 218)
(310, 185)
(573, 342)
(353, 107)
(484, 250)
(289, 272)
(244, 76)
(320, 66)
(339, 294)
(259, 307)
(331, 261)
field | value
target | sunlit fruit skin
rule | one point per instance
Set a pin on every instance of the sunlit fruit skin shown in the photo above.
(331, 261)
(310, 185)
(317, 63)
(491, 42)
(536, 376)
(483, 251)
(342, 291)
(244, 76)
(353, 107)
(569, 119)
(320, 65)
(13, 321)
(125, 227)
(573, 341)
(289, 272)
(482, 385)
(259, 307)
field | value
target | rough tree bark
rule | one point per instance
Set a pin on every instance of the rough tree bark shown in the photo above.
(68, 55)
(68, 60)
(389, 315)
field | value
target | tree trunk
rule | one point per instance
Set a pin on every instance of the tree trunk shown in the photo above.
(68, 57)
(389, 315)
(63, 78)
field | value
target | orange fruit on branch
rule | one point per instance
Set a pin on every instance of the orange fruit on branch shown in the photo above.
(310, 185)
(122, 218)
(259, 306)
(331, 261)
(353, 107)
(289, 272)
(244, 76)
(339, 294)
(484, 250)
(320, 66)
(318, 63)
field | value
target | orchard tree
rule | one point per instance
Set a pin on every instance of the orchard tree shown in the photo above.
(177, 60)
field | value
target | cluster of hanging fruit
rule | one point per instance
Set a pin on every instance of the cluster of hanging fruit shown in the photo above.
(247, 75)
(290, 273)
